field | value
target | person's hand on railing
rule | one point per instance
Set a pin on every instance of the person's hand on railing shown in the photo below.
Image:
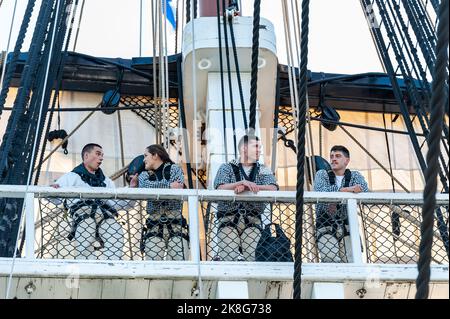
(352, 189)
(55, 185)
(239, 189)
(250, 186)
(134, 181)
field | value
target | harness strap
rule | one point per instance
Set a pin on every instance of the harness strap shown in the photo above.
(234, 222)
(163, 221)
(239, 172)
(107, 212)
(347, 177)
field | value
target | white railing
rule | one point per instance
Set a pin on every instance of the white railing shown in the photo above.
(193, 197)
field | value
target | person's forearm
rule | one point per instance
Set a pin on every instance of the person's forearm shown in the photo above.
(270, 187)
(230, 186)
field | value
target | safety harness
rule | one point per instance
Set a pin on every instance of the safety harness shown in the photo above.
(106, 210)
(163, 220)
(242, 210)
(337, 224)
(94, 180)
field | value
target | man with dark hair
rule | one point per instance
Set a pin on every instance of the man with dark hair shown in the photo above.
(240, 223)
(332, 230)
(93, 221)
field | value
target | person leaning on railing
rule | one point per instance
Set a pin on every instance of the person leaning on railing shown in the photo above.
(93, 220)
(166, 232)
(240, 224)
(332, 229)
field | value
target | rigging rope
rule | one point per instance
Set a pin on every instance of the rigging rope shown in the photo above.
(437, 113)
(222, 89)
(4, 58)
(254, 65)
(36, 141)
(78, 28)
(56, 94)
(388, 151)
(291, 69)
(238, 72)
(230, 84)
(6, 79)
(301, 150)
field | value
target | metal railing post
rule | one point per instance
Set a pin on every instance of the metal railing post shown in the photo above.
(352, 210)
(194, 236)
(29, 225)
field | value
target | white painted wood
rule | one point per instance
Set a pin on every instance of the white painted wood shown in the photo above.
(160, 289)
(307, 287)
(216, 270)
(287, 290)
(194, 229)
(273, 289)
(136, 289)
(372, 290)
(439, 291)
(327, 290)
(376, 291)
(209, 289)
(184, 289)
(397, 290)
(3, 284)
(113, 289)
(18, 191)
(52, 288)
(232, 290)
(90, 289)
(412, 290)
(352, 210)
(257, 289)
(29, 224)
(20, 292)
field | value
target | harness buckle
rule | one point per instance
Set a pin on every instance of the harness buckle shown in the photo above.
(163, 219)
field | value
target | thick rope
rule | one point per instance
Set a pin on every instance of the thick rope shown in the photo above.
(57, 90)
(438, 100)
(12, 64)
(188, 11)
(254, 66)
(36, 141)
(24, 91)
(301, 150)
(5, 53)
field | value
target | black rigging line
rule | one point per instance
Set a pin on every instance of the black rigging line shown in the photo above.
(186, 150)
(238, 72)
(58, 86)
(230, 84)
(222, 89)
(303, 85)
(15, 56)
(254, 65)
(440, 75)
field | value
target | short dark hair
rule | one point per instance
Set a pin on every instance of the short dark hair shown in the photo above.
(341, 148)
(247, 138)
(87, 148)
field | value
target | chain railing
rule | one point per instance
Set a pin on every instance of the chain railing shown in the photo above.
(148, 224)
